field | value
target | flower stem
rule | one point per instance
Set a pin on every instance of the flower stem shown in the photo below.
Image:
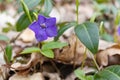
(77, 6)
(84, 57)
(97, 66)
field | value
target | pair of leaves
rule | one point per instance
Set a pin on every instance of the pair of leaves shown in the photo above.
(46, 49)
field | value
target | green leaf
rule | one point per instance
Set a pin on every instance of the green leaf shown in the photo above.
(109, 73)
(4, 38)
(23, 22)
(102, 1)
(107, 37)
(26, 10)
(53, 45)
(47, 6)
(30, 50)
(117, 20)
(80, 74)
(48, 53)
(30, 4)
(64, 28)
(88, 34)
(89, 77)
(8, 51)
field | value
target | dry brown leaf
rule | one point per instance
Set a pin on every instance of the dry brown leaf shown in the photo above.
(35, 76)
(109, 56)
(72, 53)
(35, 58)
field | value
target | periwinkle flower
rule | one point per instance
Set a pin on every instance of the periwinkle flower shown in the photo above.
(44, 27)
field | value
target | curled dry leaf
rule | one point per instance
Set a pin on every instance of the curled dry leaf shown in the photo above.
(35, 76)
(72, 53)
(35, 58)
(109, 56)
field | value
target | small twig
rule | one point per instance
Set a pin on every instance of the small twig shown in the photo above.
(13, 40)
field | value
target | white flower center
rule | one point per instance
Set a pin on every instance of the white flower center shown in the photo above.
(43, 25)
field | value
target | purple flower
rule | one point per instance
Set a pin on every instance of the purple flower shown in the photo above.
(44, 27)
(118, 30)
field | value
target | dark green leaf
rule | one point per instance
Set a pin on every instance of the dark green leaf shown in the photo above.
(53, 45)
(4, 38)
(88, 34)
(8, 51)
(110, 73)
(23, 22)
(48, 53)
(80, 74)
(64, 28)
(30, 50)
(47, 6)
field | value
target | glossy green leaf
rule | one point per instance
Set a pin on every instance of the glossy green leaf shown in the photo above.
(80, 74)
(47, 6)
(4, 38)
(30, 3)
(64, 28)
(8, 51)
(23, 22)
(48, 53)
(88, 34)
(30, 50)
(109, 73)
(53, 45)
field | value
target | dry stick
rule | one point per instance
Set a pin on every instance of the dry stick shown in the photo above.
(13, 40)
(74, 64)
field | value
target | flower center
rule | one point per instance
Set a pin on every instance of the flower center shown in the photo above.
(43, 25)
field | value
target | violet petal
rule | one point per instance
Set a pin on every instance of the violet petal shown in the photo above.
(35, 27)
(51, 31)
(41, 19)
(41, 35)
(50, 22)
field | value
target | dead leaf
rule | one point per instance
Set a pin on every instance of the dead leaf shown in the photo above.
(73, 53)
(109, 56)
(35, 76)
